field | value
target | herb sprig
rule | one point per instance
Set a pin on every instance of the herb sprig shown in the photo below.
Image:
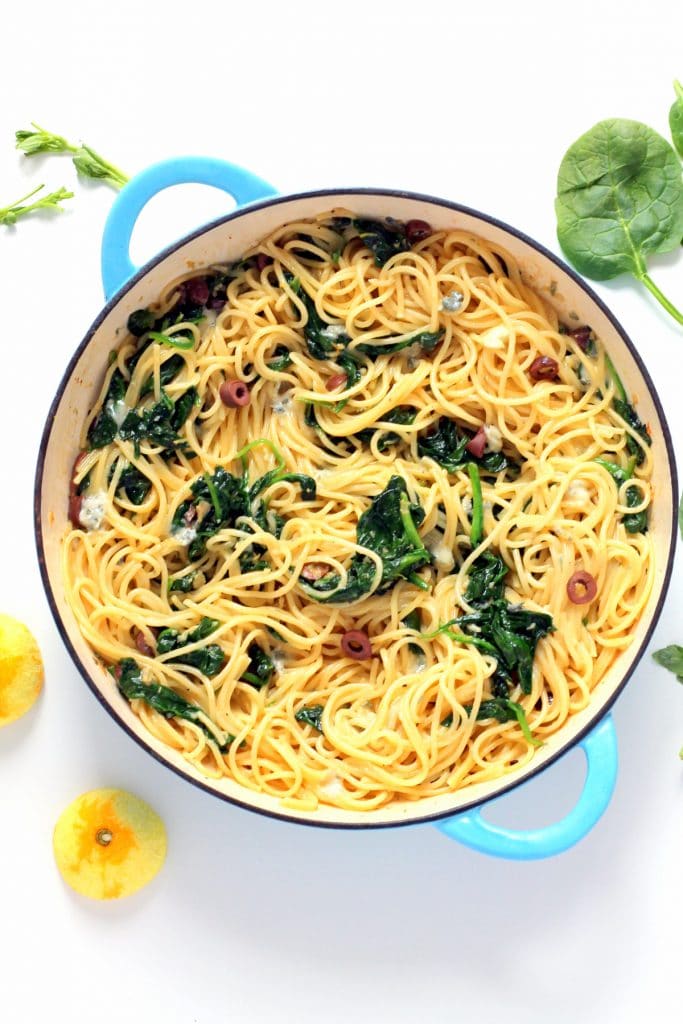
(12, 213)
(87, 162)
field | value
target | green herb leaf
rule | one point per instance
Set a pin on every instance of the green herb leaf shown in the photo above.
(671, 658)
(620, 200)
(90, 164)
(42, 141)
(12, 213)
(260, 669)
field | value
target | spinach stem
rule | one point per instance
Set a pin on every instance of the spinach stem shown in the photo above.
(243, 452)
(661, 298)
(520, 715)
(477, 531)
(461, 638)
(408, 524)
(616, 379)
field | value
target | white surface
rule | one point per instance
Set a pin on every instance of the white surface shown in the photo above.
(254, 920)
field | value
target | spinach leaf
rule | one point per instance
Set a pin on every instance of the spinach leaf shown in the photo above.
(427, 340)
(402, 415)
(183, 584)
(634, 522)
(311, 715)
(676, 119)
(323, 340)
(383, 238)
(209, 660)
(502, 709)
(508, 632)
(671, 657)
(626, 410)
(281, 359)
(164, 700)
(135, 485)
(104, 427)
(260, 668)
(413, 620)
(159, 424)
(620, 200)
(140, 321)
(167, 372)
(447, 444)
(389, 528)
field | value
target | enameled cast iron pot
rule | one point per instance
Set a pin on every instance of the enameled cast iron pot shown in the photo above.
(128, 288)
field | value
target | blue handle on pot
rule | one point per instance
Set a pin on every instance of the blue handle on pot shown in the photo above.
(117, 266)
(600, 749)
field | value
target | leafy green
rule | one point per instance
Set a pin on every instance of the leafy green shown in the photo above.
(671, 657)
(172, 340)
(209, 659)
(168, 371)
(634, 522)
(502, 709)
(282, 359)
(626, 410)
(383, 238)
(413, 620)
(620, 200)
(389, 528)
(140, 321)
(104, 427)
(477, 529)
(508, 632)
(12, 213)
(402, 415)
(676, 119)
(86, 161)
(135, 485)
(427, 340)
(447, 444)
(311, 715)
(183, 584)
(161, 422)
(260, 669)
(164, 700)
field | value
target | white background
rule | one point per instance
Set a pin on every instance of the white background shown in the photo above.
(251, 919)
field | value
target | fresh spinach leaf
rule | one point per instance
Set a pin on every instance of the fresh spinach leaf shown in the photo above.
(671, 658)
(676, 119)
(619, 201)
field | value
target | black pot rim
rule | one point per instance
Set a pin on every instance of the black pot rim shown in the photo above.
(507, 785)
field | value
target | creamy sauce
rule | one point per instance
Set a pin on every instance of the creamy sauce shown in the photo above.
(93, 507)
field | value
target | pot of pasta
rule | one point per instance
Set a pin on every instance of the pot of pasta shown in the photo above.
(356, 508)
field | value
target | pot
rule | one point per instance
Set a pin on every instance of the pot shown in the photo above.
(259, 211)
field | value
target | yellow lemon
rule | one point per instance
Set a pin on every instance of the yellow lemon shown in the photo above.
(109, 843)
(21, 669)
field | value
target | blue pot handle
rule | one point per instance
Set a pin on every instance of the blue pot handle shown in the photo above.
(600, 750)
(117, 266)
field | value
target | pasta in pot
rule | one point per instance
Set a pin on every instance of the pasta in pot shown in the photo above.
(356, 519)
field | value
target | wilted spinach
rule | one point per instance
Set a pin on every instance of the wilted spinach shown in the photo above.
(260, 668)
(626, 410)
(619, 201)
(389, 528)
(383, 238)
(311, 715)
(446, 443)
(164, 700)
(209, 659)
(634, 522)
(104, 427)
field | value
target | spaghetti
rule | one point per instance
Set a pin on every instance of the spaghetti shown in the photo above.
(371, 431)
